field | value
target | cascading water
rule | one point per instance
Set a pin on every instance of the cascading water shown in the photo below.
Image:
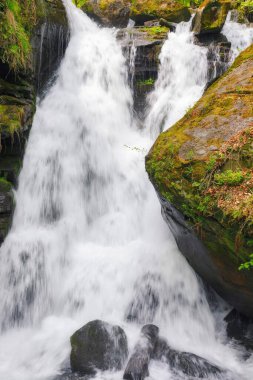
(87, 234)
(181, 80)
(240, 36)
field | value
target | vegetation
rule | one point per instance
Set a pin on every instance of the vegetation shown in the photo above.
(17, 20)
(146, 82)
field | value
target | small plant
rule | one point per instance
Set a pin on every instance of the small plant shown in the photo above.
(146, 82)
(229, 178)
(248, 264)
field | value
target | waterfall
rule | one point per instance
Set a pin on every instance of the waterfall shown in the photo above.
(87, 234)
(181, 79)
(240, 36)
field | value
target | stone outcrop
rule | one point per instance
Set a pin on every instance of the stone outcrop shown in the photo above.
(210, 17)
(98, 346)
(173, 11)
(202, 171)
(117, 12)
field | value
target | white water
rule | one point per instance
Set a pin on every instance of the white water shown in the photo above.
(240, 36)
(181, 80)
(87, 231)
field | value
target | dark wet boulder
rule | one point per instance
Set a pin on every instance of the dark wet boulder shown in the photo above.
(98, 345)
(240, 328)
(210, 17)
(185, 362)
(137, 366)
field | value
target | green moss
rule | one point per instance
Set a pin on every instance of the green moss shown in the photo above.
(173, 11)
(11, 118)
(155, 31)
(16, 22)
(146, 82)
(229, 178)
(5, 185)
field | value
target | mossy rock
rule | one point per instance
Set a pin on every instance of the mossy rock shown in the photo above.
(108, 12)
(144, 10)
(203, 167)
(210, 17)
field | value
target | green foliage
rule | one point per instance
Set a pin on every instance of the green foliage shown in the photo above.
(80, 3)
(155, 30)
(229, 178)
(146, 82)
(4, 184)
(16, 21)
(248, 264)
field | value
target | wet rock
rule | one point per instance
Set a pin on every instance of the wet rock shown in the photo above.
(218, 54)
(147, 42)
(206, 220)
(185, 362)
(240, 328)
(210, 17)
(98, 346)
(137, 366)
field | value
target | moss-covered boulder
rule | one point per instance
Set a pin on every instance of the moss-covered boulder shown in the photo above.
(171, 10)
(210, 17)
(108, 12)
(202, 171)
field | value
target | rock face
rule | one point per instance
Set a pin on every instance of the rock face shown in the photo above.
(147, 42)
(210, 17)
(202, 171)
(98, 345)
(144, 10)
(117, 12)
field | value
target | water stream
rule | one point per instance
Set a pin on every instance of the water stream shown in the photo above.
(87, 233)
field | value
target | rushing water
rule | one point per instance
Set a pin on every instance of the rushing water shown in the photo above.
(240, 36)
(181, 80)
(87, 233)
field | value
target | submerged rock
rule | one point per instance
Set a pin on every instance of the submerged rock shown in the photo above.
(137, 366)
(240, 328)
(98, 346)
(202, 171)
(210, 17)
(185, 362)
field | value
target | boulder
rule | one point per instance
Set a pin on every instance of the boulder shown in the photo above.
(240, 328)
(210, 17)
(185, 362)
(137, 366)
(144, 10)
(201, 169)
(108, 12)
(98, 346)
